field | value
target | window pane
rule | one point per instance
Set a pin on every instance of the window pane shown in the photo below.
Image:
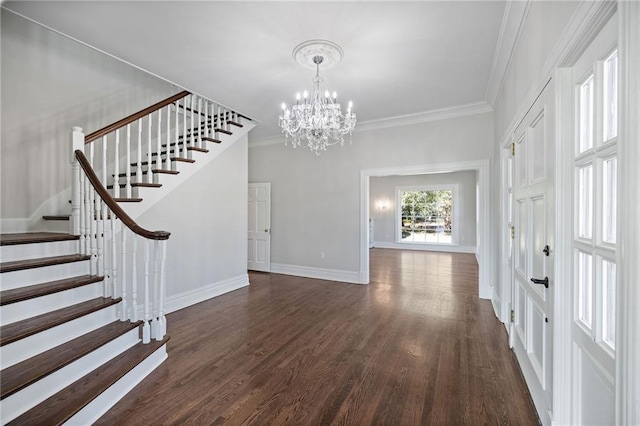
(426, 216)
(584, 275)
(585, 137)
(609, 303)
(610, 100)
(585, 204)
(609, 200)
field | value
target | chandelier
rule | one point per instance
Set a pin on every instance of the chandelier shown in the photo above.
(317, 119)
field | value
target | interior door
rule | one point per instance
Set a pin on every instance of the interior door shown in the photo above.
(533, 221)
(259, 247)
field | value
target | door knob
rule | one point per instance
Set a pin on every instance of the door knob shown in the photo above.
(544, 281)
(545, 250)
(266, 230)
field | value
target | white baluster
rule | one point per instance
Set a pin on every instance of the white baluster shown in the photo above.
(100, 242)
(77, 143)
(177, 136)
(93, 230)
(162, 320)
(106, 216)
(116, 166)
(168, 166)
(134, 279)
(149, 149)
(199, 135)
(193, 122)
(139, 162)
(146, 328)
(155, 325)
(184, 124)
(159, 142)
(114, 258)
(127, 183)
(91, 153)
(104, 160)
(83, 216)
(123, 274)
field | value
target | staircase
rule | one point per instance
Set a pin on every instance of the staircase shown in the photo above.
(63, 347)
(82, 313)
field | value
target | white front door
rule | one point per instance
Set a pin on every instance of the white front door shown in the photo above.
(259, 247)
(533, 269)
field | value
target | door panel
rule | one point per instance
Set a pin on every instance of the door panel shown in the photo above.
(533, 222)
(259, 227)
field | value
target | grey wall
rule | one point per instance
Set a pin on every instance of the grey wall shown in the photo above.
(384, 188)
(316, 199)
(50, 84)
(207, 218)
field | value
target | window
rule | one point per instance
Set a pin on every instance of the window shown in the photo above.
(595, 201)
(426, 215)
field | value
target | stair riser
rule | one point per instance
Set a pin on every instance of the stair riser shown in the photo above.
(107, 399)
(33, 251)
(20, 350)
(37, 392)
(40, 305)
(25, 277)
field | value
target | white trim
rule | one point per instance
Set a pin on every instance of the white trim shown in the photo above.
(628, 294)
(401, 120)
(447, 248)
(318, 273)
(485, 276)
(58, 204)
(191, 297)
(515, 14)
(563, 306)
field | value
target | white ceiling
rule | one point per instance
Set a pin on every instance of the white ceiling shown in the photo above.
(400, 58)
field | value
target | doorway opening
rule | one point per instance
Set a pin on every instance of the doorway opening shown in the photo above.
(483, 239)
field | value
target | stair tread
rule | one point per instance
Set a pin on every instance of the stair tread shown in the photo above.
(227, 132)
(234, 123)
(25, 293)
(128, 200)
(56, 217)
(19, 330)
(164, 171)
(195, 148)
(18, 265)
(138, 185)
(21, 375)
(183, 160)
(63, 405)
(35, 237)
(212, 140)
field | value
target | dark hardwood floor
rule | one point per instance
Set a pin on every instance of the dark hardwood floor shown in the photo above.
(415, 347)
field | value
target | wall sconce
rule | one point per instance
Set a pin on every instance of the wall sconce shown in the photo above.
(382, 204)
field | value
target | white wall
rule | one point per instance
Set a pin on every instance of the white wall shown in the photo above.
(384, 189)
(207, 218)
(50, 84)
(316, 199)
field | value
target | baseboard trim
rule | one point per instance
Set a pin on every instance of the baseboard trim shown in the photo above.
(352, 277)
(425, 247)
(191, 297)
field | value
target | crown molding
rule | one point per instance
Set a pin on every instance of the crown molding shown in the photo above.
(515, 13)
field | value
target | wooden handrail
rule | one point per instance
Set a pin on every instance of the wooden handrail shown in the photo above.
(133, 117)
(113, 205)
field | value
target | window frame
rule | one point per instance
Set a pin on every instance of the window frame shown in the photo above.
(455, 212)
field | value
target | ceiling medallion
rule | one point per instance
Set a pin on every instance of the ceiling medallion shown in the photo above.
(317, 118)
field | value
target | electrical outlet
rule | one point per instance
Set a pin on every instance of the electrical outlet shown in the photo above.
(321, 255)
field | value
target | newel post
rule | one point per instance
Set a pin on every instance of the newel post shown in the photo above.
(77, 142)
